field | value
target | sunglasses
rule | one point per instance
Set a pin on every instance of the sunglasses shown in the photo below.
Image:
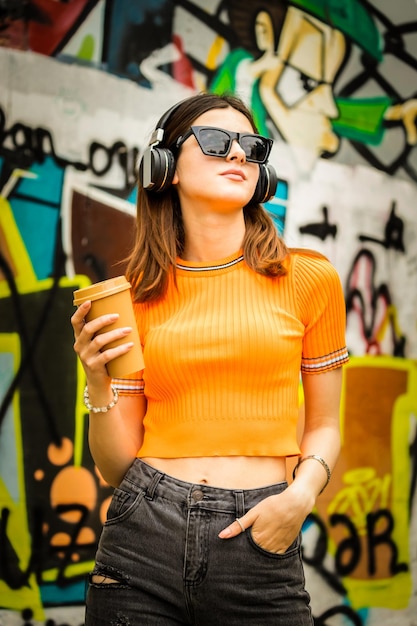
(217, 142)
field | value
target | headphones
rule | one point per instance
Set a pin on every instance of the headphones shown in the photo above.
(157, 166)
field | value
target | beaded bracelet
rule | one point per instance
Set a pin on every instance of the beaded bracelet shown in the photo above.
(321, 461)
(100, 409)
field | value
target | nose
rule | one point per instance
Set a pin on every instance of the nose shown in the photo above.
(236, 152)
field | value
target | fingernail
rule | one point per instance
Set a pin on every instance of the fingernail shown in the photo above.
(225, 533)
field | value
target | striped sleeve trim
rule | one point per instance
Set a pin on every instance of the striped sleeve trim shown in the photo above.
(129, 387)
(325, 363)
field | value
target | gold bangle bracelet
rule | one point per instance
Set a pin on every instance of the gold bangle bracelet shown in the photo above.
(322, 463)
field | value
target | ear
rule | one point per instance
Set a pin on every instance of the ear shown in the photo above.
(175, 178)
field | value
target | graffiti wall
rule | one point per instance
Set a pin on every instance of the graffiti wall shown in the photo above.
(82, 85)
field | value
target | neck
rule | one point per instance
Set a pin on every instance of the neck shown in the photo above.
(213, 237)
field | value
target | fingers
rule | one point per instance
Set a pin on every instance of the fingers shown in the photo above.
(236, 528)
(78, 318)
(94, 326)
(269, 544)
(97, 327)
(90, 339)
(95, 361)
(93, 339)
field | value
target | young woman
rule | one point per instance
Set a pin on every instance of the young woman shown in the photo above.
(203, 528)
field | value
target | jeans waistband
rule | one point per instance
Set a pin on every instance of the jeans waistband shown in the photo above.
(156, 483)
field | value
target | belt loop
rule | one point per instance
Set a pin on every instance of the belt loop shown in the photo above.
(240, 502)
(150, 489)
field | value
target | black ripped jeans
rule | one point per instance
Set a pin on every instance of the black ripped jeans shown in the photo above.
(160, 544)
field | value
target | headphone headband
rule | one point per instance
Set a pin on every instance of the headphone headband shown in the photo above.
(158, 134)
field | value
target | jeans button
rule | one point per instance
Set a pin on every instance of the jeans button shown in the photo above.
(197, 495)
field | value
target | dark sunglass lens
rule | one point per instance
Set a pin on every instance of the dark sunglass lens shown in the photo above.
(256, 148)
(214, 141)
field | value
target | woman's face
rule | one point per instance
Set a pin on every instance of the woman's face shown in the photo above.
(216, 184)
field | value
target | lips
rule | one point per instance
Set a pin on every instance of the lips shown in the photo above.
(234, 174)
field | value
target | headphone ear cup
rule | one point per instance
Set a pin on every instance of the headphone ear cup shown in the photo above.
(266, 185)
(156, 169)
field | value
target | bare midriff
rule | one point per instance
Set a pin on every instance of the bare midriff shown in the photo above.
(229, 472)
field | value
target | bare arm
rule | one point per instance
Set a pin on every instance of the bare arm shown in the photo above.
(321, 429)
(115, 436)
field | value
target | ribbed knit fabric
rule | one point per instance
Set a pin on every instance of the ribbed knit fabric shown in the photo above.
(223, 355)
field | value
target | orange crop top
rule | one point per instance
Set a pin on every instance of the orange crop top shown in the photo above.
(223, 355)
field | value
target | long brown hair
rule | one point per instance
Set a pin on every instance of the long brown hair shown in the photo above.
(160, 232)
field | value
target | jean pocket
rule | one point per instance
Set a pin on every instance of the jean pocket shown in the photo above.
(122, 505)
(292, 550)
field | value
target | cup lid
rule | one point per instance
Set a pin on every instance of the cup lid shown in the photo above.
(103, 288)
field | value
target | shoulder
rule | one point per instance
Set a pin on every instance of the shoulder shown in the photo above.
(314, 276)
(307, 262)
(318, 292)
(307, 255)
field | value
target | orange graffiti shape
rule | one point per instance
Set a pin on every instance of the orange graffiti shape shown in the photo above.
(74, 485)
(60, 455)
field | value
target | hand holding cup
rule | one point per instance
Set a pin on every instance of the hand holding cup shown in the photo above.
(108, 297)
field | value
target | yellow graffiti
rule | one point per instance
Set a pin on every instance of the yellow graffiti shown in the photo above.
(24, 273)
(212, 60)
(13, 494)
(365, 492)
(12, 484)
(13, 179)
(390, 317)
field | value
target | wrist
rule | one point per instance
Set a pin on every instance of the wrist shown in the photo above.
(99, 402)
(310, 475)
(304, 494)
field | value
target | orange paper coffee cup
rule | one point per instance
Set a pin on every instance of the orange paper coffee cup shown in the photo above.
(114, 296)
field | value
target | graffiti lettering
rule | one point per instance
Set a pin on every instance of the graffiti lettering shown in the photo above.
(99, 152)
(394, 233)
(348, 551)
(365, 299)
(380, 538)
(318, 556)
(32, 145)
(323, 229)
